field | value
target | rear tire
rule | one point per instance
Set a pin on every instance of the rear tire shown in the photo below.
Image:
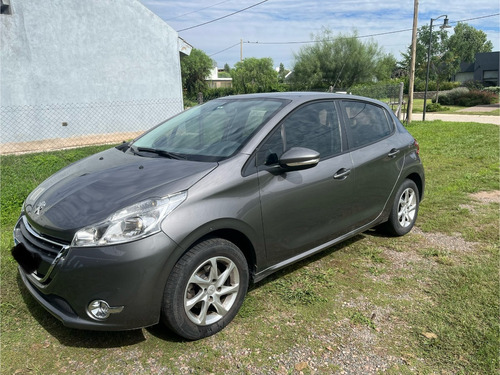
(205, 289)
(404, 210)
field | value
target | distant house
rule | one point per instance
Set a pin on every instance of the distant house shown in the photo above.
(73, 68)
(214, 82)
(484, 69)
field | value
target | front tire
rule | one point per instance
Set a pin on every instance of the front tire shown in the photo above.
(205, 289)
(404, 210)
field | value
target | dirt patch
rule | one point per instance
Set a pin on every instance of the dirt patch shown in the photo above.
(482, 197)
(351, 349)
(454, 243)
(487, 196)
(66, 143)
(405, 260)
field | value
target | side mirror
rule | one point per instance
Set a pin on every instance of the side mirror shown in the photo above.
(298, 158)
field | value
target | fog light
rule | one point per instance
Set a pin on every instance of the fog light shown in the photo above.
(100, 310)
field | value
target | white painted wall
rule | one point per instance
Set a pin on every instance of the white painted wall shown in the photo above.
(68, 60)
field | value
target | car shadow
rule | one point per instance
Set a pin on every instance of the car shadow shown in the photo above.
(376, 232)
(113, 339)
(311, 259)
(163, 333)
(85, 338)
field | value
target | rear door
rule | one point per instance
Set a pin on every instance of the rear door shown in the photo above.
(376, 155)
(303, 209)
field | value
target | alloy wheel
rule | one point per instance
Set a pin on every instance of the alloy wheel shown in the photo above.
(407, 208)
(211, 290)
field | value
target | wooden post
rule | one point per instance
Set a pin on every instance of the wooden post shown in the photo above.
(412, 62)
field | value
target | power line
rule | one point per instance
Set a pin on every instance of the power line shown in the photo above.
(347, 37)
(478, 18)
(196, 11)
(310, 41)
(357, 37)
(364, 36)
(220, 18)
(472, 19)
(225, 49)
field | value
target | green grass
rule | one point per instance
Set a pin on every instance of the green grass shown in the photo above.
(418, 305)
(460, 159)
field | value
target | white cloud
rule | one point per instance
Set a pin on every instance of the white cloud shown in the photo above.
(292, 21)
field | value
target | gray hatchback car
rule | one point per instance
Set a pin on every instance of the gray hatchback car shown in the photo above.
(174, 225)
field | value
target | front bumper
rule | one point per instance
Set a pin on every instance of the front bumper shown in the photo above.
(67, 279)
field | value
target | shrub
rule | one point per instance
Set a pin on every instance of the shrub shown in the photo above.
(420, 85)
(473, 85)
(188, 103)
(215, 93)
(476, 97)
(435, 107)
(493, 89)
(464, 97)
(450, 97)
(448, 85)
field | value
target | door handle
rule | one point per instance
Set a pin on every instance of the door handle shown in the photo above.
(342, 174)
(393, 152)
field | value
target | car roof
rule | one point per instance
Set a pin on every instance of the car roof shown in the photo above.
(301, 96)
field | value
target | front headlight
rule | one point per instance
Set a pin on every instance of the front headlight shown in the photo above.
(131, 223)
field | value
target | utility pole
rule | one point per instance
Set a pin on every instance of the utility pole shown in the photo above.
(412, 63)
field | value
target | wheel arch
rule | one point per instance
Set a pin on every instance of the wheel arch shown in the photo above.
(414, 176)
(417, 179)
(236, 237)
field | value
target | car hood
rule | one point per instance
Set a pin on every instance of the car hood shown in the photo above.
(90, 190)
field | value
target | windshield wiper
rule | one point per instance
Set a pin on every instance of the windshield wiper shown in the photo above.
(162, 153)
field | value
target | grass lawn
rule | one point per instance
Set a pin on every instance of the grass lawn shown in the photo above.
(424, 303)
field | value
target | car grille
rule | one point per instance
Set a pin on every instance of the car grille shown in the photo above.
(47, 248)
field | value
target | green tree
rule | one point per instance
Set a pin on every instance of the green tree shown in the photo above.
(338, 61)
(282, 72)
(254, 75)
(466, 41)
(195, 68)
(386, 67)
(447, 52)
(438, 48)
(224, 74)
(227, 68)
(444, 68)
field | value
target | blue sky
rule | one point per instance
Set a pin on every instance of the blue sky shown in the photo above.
(286, 22)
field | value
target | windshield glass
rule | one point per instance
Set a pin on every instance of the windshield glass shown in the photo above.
(211, 132)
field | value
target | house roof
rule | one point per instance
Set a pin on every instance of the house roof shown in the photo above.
(466, 67)
(184, 47)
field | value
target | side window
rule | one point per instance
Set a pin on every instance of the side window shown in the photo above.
(366, 123)
(314, 126)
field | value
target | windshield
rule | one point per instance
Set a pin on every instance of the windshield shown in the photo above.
(211, 132)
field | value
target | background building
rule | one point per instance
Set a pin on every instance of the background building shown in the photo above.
(215, 82)
(484, 69)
